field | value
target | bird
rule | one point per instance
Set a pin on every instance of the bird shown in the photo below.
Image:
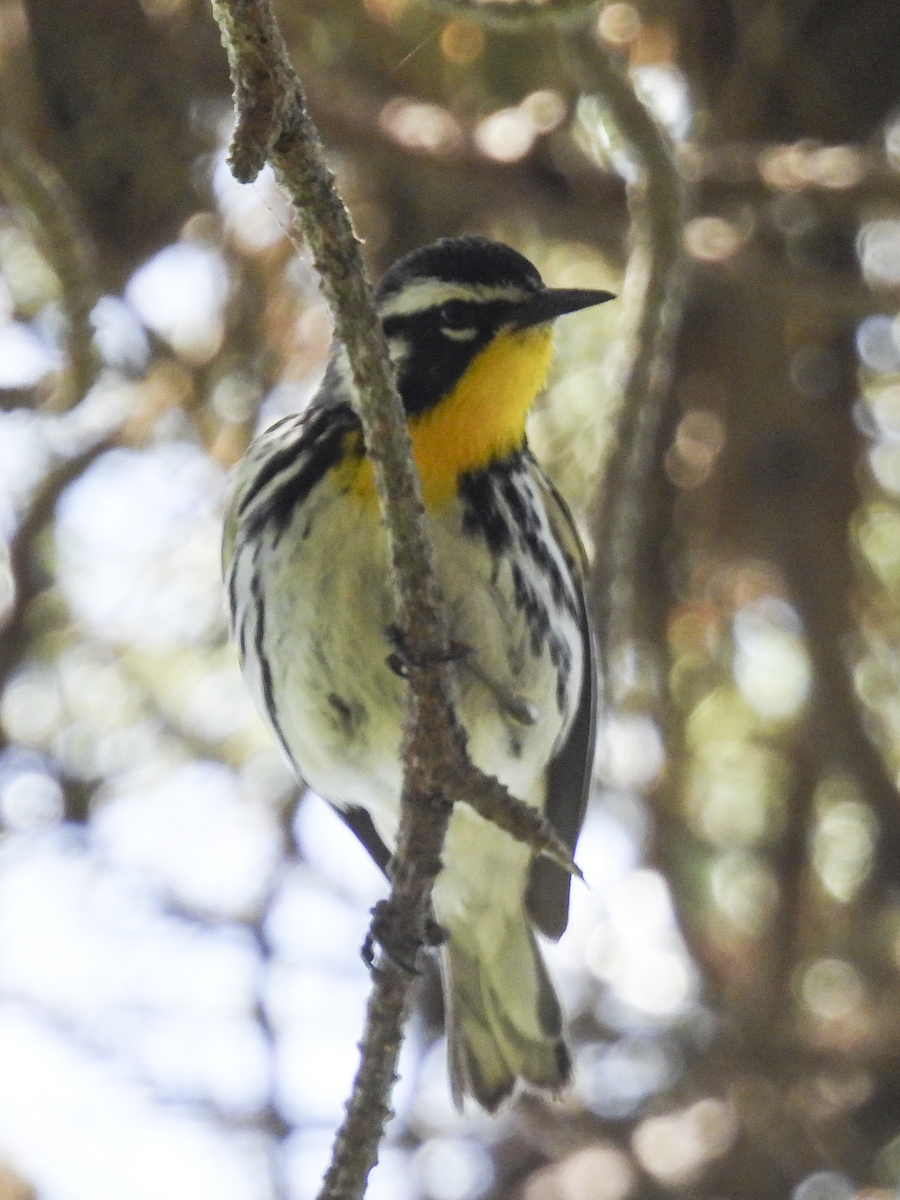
(468, 323)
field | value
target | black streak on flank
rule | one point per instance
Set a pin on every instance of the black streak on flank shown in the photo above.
(481, 514)
(530, 538)
(232, 589)
(501, 509)
(302, 465)
(347, 715)
(341, 707)
(536, 616)
(259, 645)
(278, 461)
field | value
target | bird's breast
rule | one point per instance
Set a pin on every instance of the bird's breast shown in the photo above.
(338, 701)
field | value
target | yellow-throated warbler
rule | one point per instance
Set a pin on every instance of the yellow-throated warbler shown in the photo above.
(469, 326)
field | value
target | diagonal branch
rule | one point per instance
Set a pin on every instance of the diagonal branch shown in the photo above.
(273, 123)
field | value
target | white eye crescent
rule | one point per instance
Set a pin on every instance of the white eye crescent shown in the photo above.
(456, 321)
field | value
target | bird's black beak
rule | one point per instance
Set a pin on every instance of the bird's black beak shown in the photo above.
(555, 302)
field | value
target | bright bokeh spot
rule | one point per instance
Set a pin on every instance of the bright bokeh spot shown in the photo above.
(180, 294)
(506, 135)
(745, 889)
(735, 791)
(844, 840)
(836, 167)
(614, 1079)
(876, 344)
(771, 665)
(454, 1168)
(29, 800)
(545, 109)
(800, 165)
(676, 1147)
(630, 750)
(196, 838)
(618, 24)
(24, 357)
(119, 335)
(29, 281)
(825, 1185)
(138, 537)
(885, 463)
(876, 532)
(420, 127)
(665, 92)
(713, 239)
(831, 988)
(699, 440)
(109, 1140)
(596, 1173)
(257, 215)
(878, 246)
(462, 42)
(639, 953)
(31, 707)
(24, 456)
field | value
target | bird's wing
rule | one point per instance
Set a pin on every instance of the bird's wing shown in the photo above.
(274, 477)
(568, 777)
(281, 468)
(359, 821)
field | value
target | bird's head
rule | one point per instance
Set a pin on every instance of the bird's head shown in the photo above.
(470, 304)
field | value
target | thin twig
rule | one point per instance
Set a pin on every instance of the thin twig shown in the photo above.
(22, 556)
(273, 124)
(34, 187)
(658, 206)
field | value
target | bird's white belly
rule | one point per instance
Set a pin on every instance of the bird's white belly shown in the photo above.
(340, 705)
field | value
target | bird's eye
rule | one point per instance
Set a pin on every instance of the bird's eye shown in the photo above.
(456, 314)
(458, 321)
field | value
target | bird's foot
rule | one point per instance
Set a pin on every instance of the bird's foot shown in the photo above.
(391, 930)
(401, 659)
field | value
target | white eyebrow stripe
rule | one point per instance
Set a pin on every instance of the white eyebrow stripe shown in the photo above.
(430, 293)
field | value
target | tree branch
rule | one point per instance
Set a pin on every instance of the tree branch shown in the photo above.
(36, 190)
(657, 271)
(273, 123)
(22, 554)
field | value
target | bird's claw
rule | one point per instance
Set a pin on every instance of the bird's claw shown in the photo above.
(401, 660)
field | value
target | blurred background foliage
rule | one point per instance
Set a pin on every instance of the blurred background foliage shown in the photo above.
(180, 986)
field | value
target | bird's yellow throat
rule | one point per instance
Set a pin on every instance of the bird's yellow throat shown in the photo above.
(480, 420)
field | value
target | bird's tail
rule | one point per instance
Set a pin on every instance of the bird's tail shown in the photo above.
(503, 1017)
